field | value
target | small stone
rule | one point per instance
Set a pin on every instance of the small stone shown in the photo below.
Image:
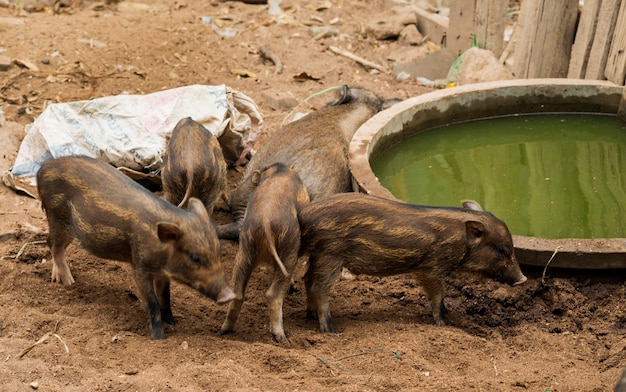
(5, 63)
(481, 65)
(410, 35)
(34, 385)
(280, 100)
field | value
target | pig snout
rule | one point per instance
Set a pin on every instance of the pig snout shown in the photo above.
(512, 275)
(217, 289)
(226, 295)
(521, 280)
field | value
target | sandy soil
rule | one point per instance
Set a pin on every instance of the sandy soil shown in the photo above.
(561, 332)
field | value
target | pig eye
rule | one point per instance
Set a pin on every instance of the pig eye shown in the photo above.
(196, 258)
(504, 251)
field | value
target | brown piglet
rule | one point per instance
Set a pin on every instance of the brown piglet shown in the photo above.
(270, 234)
(193, 166)
(380, 237)
(115, 218)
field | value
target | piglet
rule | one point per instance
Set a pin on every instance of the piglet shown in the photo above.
(380, 237)
(115, 218)
(270, 235)
(193, 166)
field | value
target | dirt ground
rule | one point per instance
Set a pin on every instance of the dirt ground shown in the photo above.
(558, 332)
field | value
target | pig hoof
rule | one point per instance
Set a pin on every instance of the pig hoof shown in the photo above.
(226, 330)
(441, 323)
(65, 280)
(328, 329)
(157, 335)
(280, 338)
(292, 288)
(66, 283)
(328, 326)
(311, 314)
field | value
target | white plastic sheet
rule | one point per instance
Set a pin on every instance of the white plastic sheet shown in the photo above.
(130, 131)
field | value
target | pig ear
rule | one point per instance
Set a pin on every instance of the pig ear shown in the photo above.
(196, 207)
(471, 205)
(255, 179)
(342, 98)
(168, 232)
(475, 231)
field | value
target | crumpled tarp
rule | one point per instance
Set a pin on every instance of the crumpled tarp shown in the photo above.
(131, 131)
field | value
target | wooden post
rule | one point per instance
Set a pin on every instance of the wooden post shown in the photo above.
(615, 70)
(484, 18)
(547, 34)
(489, 24)
(461, 26)
(607, 18)
(585, 37)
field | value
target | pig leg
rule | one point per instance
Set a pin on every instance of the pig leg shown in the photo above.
(241, 275)
(58, 240)
(319, 280)
(145, 284)
(229, 231)
(162, 289)
(238, 203)
(275, 296)
(434, 288)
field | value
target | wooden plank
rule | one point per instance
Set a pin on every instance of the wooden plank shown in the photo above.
(489, 24)
(585, 36)
(607, 18)
(461, 27)
(615, 70)
(547, 35)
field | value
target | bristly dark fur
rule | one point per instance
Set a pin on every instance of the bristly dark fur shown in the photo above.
(380, 237)
(115, 218)
(270, 234)
(193, 166)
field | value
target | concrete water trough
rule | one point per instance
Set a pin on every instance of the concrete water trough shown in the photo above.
(487, 100)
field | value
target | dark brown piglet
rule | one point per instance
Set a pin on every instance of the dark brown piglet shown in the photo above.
(380, 237)
(193, 166)
(115, 218)
(270, 234)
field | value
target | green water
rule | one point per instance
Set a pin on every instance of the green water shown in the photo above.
(547, 175)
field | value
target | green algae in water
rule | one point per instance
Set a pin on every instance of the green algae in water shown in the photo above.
(547, 175)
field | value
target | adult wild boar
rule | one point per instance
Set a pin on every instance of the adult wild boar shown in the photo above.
(115, 218)
(380, 237)
(316, 146)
